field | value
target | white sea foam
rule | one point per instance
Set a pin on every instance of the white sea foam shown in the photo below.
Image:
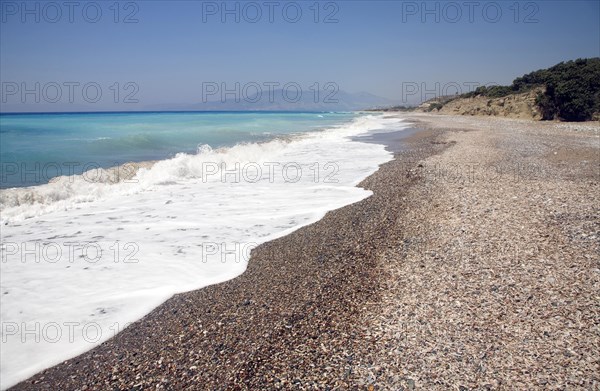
(81, 258)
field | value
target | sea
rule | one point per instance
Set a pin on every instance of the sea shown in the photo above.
(104, 216)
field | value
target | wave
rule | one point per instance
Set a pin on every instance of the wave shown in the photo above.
(164, 215)
(65, 192)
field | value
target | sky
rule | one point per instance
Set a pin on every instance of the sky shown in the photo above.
(136, 55)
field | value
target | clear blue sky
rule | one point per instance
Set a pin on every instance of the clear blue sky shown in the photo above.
(373, 46)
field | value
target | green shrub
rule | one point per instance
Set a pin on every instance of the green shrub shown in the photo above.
(572, 90)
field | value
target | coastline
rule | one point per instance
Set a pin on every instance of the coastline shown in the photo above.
(286, 280)
(181, 242)
(353, 299)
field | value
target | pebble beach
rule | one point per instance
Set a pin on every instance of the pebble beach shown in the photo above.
(474, 265)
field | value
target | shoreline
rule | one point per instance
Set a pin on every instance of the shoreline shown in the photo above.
(174, 255)
(347, 301)
(287, 281)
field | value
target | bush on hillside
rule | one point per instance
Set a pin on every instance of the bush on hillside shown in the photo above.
(572, 90)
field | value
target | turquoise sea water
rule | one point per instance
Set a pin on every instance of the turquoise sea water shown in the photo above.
(36, 147)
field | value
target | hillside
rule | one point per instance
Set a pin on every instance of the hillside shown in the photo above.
(568, 91)
(522, 105)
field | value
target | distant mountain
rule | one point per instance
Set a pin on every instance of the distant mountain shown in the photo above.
(290, 100)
